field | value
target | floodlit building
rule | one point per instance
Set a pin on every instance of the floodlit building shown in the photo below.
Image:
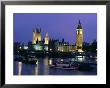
(46, 39)
(36, 41)
(65, 47)
(36, 35)
(79, 37)
(56, 45)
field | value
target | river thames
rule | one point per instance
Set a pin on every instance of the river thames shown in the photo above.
(42, 68)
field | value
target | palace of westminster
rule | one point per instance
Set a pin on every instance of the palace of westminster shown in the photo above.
(56, 45)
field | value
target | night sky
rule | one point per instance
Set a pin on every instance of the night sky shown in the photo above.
(58, 26)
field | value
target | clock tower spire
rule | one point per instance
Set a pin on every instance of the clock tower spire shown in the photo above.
(79, 37)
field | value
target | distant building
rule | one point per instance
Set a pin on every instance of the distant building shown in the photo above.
(79, 37)
(52, 46)
(36, 41)
(46, 39)
(56, 45)
(38, 46)
(59, 46)
(65, 47)
(36, 35)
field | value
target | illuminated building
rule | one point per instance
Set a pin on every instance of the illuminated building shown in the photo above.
(36, 36)
(79, 37)
(38, 47)
(60, 46)
(66, 48)
(46, 39)
(56, 45)
(46, 42)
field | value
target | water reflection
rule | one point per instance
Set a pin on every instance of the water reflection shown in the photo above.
(36, 71)
(19, 68)
(42, 67)
(46, 66)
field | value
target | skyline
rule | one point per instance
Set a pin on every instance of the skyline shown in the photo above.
(58, 26)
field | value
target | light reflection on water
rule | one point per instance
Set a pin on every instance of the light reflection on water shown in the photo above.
(19, 68)
(42, 68)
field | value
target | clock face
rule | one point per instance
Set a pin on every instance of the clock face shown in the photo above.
(80, 32)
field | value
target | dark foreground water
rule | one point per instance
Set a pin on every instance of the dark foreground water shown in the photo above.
(42, 68)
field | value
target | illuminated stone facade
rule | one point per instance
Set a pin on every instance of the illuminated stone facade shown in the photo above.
(36, 36)
(56, 45)
(79, 37)
(46, 39)
(63, 47)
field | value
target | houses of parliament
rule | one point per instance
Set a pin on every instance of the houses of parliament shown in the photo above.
(57, 45)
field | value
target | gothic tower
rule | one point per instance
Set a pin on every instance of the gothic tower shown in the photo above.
(79, 37)
(46, 39)
(36, 36)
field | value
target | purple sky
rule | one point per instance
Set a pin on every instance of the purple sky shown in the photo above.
(58, 25)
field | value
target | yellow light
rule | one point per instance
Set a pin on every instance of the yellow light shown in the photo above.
(50, 49)
(80, 32)
(50, 62)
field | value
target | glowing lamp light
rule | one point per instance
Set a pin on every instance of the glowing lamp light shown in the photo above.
(50, 62)
(80, 59)
(20, 47)
(25, 47)
(62, 60)
(50, 49)
(80, 50)
(36, 62)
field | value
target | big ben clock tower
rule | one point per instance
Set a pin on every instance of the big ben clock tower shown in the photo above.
(79, 37)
